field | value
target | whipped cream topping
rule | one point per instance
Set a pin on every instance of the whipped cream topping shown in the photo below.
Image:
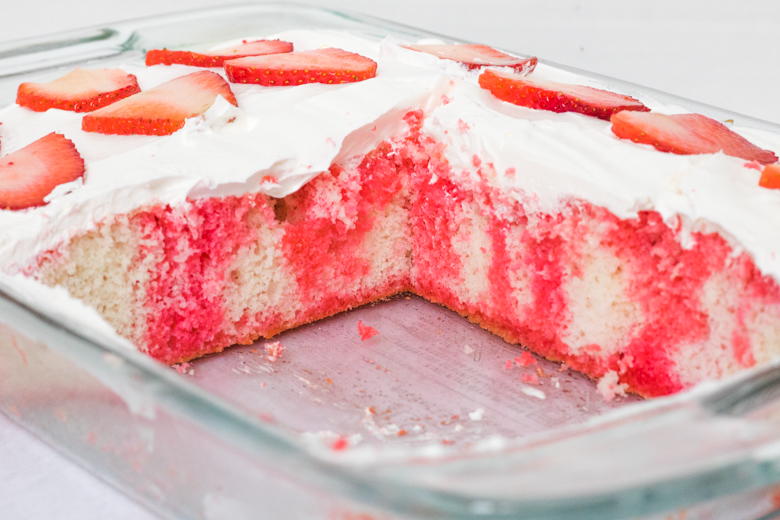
(294, 133)
(290, 134)
(547, 158)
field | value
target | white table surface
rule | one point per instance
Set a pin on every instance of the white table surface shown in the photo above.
(723, 53)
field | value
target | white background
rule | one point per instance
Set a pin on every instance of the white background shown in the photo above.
(725, 53)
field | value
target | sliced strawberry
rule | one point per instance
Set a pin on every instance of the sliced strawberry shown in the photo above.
(80, 90)
(29, 174)
(476, 56)
(162, 109)
(217, 57)
(556, 97)
(770, 177)
(686, 134)
(296, 68)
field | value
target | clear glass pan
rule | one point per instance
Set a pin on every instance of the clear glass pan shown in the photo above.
(432, 424)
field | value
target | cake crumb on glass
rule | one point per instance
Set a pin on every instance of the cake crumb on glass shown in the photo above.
(185, 369)
(530, 378)
(340, 444)
(533, 392)
(273, 351)
(525, 359)
(477, 414)
(366, 331)
(609, 386)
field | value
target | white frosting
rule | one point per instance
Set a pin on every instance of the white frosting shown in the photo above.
(293, 133)
(553, 158)
(557, 157)
(289, 133)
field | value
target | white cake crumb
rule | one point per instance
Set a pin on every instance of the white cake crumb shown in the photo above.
(273, 351)
(477, 414)
(609, 386)
(533, 392)
(185, 369)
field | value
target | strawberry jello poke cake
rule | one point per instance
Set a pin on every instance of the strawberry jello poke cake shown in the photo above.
(211, 197)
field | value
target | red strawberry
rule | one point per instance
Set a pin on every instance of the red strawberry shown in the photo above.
(476, 56)
(556, 97)
(686, 134)
(218, 57)
(162, 109)
(296, 68)
(80, 90)
(29, 174)
(770, 177)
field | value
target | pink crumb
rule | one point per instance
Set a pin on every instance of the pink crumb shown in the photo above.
(530, 378)
(185, 369)
(463, 126)
(508, 364)
(525, 359)
(755, 165)
(366, 331)
(340, 444)
(445, 99)
(273, 351)
(270, 179)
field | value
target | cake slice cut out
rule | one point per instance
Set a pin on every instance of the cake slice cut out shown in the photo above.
(686, 134)
(556, 97)
(80, 90)
(163, 109)
(29, 174)
(218, 57)
(296, 68)
(476, 56)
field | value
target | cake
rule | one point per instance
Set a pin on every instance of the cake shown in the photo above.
(208, 198)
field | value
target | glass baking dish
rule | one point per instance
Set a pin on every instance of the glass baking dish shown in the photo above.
(422, 421)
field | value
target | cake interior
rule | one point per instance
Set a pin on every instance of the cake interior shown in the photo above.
(630, 302)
